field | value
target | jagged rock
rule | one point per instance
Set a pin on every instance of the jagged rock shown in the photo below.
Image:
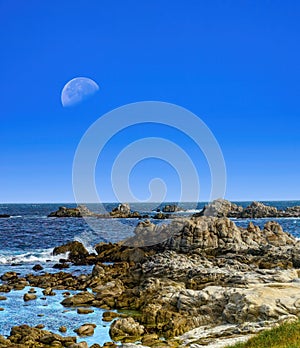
(123, 211)
(126, 327)
(79, 211)
(118, 252)
(107, 294)
(77, 251)
(223, 208)
(257, 210)
(216, 235)
(123, 208)
(220, 208)
(291, 212)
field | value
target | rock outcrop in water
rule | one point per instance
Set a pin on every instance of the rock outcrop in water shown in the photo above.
(4, 216)
(223, 208)
(121, 211)
(78, 212)
(173, 208)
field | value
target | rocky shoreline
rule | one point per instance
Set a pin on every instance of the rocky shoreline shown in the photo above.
(205, 282)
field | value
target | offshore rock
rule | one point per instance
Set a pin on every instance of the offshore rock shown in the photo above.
(257, 210)
(171, 208)
(220, 208)
(123, 211)
(3, 216)
(79, 212)
(223, 208)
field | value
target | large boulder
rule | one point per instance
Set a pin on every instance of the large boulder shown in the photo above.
(82, 298)
(77, 251)
(126, 327)
(86, 330)
(118, 252)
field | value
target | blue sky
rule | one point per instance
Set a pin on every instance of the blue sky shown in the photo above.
(235, 64)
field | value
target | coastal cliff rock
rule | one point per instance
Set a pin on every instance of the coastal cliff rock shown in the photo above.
(208, 272)
(209, 235)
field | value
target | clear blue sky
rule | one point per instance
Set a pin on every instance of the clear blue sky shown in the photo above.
(236, 64)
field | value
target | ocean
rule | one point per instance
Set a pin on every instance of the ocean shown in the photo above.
(29, 236)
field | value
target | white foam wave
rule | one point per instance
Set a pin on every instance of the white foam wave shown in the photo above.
(32, 257)
(193, 211)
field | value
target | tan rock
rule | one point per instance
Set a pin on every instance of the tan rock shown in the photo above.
(126, 327)
(81, 298)
(86, 330)
(29, 297)
(84, 310)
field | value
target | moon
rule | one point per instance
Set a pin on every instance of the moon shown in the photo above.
(77, 90)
